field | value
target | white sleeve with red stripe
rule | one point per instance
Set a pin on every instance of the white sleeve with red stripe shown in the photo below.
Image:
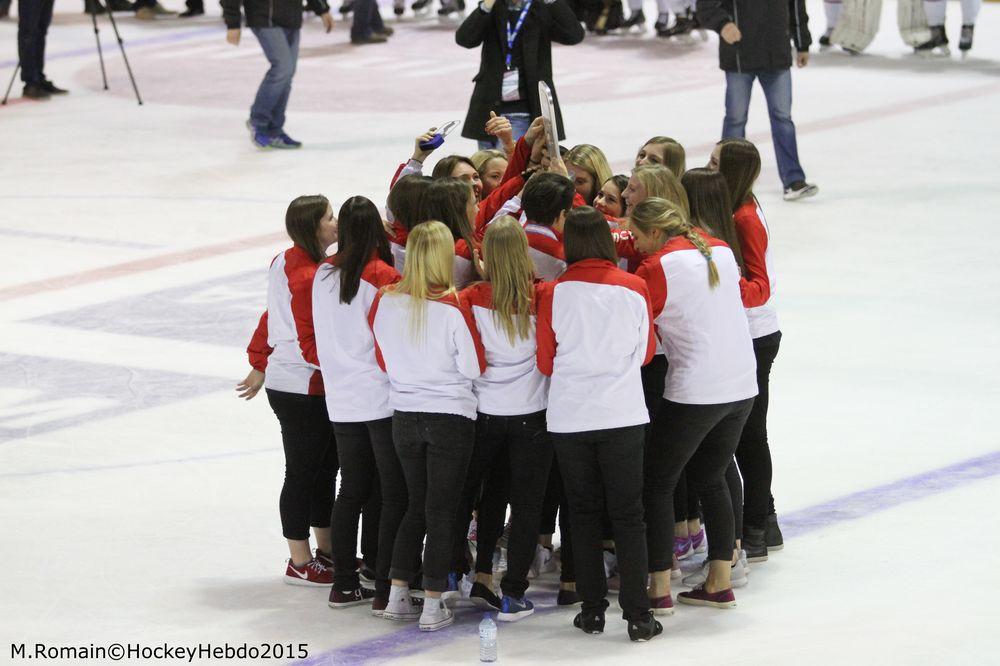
(293, 366)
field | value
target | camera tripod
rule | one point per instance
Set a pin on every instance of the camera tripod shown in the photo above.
(100, 54)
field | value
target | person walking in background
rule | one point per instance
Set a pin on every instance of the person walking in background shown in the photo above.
(33, 19)
(754, 43)
(367, 26)
(276, 24)
(516, 36)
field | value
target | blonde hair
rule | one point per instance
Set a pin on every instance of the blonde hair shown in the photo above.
(428, 273)
(661, 183)
(510, 270)
(482, 157)
(656, 214)
(592, 160)
(674, 157)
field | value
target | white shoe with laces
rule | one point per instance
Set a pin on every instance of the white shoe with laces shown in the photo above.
(738, 575)
(436, 615)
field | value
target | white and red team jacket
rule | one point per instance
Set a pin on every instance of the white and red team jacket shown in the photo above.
(284, 345)
(545, 247)
(511, 385)
(434, 373)
(594, 334)
(751, 229)
(703, 330)
(356, 388)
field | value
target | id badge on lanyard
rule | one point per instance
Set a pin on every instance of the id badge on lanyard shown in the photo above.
(511, 86)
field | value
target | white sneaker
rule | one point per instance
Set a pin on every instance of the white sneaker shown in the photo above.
(459, 589)
(500, 560)
(436, 615)
(402, 607)
(800, 190)
(543, 563)
(738, 575)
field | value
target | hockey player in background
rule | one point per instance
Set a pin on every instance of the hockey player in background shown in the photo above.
(938, 43)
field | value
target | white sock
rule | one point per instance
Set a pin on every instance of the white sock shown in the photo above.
(970, 10)
(935, 12)
(832, 9)
(662, 6)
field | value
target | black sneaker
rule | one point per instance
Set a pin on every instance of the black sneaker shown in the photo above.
(36, 91)
(800, 189)
(965, 41)
(51, 88)
(567, 598)
(367, 573)
(753, 544)
(191, 13)
(589, 622)
(484, 598)
(121, 6)
(637, 18)
(772, 533)
(641, 631)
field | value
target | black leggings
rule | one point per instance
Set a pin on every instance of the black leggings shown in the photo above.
(703, 438)
(753, 453)
(310, 462)
(434, 452)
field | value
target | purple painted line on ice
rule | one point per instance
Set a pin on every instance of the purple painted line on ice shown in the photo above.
(857, 505)
(112, 46)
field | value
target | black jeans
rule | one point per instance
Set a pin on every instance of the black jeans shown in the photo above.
(603, 468)
(434, 452)
(359, 449)
(310, 462)
(700, 439)
(753, 453)
(33, 19)
(555, 502)
(515, 452)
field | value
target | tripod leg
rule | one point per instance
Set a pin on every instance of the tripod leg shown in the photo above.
(10, 85)
(97, 36)
(121, 46)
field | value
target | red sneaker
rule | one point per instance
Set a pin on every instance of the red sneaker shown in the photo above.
(699, 597)
(662, 605)
(312, 573)
(343, 599)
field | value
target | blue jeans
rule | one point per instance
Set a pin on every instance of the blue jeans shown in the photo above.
(281, 47)
(777, 85)
(367, 19)
(519, 122)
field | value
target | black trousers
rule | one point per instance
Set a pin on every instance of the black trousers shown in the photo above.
(603, 469)
(33, 19)
(434, 452)
(753, 453)
(555, 502)
(513, 455)
(364, 449)
(310, 462)
(686, 506)
(703, 438)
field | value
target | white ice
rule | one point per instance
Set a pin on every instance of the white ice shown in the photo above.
(138, 496)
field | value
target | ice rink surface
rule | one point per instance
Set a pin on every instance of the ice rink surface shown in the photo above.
(138, 496)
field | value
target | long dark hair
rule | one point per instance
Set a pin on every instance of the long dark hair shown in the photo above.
(709, 198)
(302, 223)
(446, 200)
(739, 162)
(361, 234)
(586, 235)
(446, 166)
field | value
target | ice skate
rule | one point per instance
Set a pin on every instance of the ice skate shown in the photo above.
(937, 45)
(965, 41)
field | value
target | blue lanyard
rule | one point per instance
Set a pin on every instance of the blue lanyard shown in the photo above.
(513, 33)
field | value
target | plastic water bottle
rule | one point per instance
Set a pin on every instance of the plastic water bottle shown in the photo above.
(487, 639)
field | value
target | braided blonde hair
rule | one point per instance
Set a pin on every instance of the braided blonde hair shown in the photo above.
(655, 214)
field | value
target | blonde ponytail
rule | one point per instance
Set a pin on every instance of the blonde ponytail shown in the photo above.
(510, 271)
(657, 214)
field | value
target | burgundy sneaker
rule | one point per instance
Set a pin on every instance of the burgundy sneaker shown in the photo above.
(662, 605)
(682, 547)
(699, 597)
(311, 573)
(343, 599)
(698, 543)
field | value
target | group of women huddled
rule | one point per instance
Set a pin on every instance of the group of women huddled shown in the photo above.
(529, 331)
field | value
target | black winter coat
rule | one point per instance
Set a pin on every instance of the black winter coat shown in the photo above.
(270, 13)
(766, 26)
(547, 21)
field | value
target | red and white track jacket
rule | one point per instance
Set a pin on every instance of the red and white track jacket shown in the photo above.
(356, 388)
(545, 247)
(751, 228)
(594, 333)
(284, 345)
(703, 330)
(511, 385)
(435, 372)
